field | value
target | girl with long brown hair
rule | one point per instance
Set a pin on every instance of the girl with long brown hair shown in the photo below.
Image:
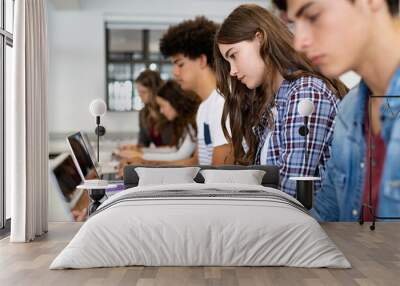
(263, 79)
(153, 125)
(154, 128)
(179, 107)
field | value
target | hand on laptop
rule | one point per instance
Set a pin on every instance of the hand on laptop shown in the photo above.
(128, 153)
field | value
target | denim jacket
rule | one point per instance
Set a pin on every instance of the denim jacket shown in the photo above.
(343, 182)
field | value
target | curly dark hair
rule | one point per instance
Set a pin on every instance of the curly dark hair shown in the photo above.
(192, 38)
(186, 104)
(393, 5)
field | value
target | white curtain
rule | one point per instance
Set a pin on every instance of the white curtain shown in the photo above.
(26, 135)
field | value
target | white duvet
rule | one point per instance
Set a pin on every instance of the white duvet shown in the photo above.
(188, 231)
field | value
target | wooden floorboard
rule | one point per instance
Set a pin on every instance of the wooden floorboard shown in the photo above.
(374, 255)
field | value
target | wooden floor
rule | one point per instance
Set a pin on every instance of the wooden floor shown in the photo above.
(375, 257)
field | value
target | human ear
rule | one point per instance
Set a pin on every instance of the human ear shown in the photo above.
(203, 61)
(259, 37)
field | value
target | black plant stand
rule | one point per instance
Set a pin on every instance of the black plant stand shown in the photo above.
(369, 206)
(305, 190)
(96, 194)
(371, 209)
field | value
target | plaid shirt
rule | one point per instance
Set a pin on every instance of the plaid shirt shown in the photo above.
(285, 144)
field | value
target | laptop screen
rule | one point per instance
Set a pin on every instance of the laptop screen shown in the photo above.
(83, 156)
(67, 177)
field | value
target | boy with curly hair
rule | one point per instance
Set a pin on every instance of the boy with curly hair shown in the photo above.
(189, 45)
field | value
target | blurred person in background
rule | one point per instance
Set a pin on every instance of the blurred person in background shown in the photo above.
(154, 128)
(180, 108)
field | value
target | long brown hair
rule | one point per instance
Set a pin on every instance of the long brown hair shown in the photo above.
(244, 106)
(151, 112)
(186, 104)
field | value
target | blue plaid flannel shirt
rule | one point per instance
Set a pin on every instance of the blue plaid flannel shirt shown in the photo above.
(286, 145)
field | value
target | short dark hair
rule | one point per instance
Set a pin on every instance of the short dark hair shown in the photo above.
(393, 5)
(280, 4)
(192, 38)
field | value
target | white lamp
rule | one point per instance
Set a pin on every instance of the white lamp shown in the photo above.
(305, 109)
(305, 185)
(98, 108)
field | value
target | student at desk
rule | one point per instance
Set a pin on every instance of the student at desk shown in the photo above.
(189, 45)
(180, 108)
(363, 36)
(154, 128)
(263, 80)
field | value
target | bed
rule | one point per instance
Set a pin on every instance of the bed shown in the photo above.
(201, 224)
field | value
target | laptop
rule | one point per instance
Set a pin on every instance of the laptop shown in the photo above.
(84, 157)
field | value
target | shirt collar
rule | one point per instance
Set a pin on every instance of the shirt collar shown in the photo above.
(394, 86)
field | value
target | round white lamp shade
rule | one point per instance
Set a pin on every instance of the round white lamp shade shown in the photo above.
(306, 107)
(97, 107)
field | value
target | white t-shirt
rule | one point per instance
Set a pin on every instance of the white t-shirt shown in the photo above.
(209, 129)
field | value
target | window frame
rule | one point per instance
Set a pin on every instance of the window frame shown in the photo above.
(144, 60)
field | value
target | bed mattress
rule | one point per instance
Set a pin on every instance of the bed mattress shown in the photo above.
(201, 225)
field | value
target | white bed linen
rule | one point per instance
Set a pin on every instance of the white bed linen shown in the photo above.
(200, 231)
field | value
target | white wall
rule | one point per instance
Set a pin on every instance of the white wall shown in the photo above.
(213, 9)
(77, 73)
(77, 53)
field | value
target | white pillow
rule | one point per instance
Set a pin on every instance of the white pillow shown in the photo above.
(248, 177)
(166, 176)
